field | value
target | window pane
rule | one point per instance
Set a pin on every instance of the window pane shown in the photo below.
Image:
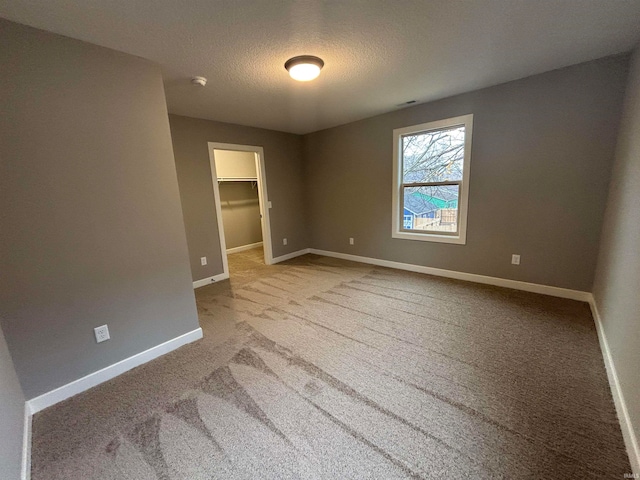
(435, 156)
(431, 209)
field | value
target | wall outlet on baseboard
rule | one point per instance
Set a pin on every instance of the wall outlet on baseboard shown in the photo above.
(284, 241)
(102, 333)
(351, 242)
(203, 261)
(515, 259)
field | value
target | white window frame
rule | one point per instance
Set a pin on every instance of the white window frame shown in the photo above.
(397, 230)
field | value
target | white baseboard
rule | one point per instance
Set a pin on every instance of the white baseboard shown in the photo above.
(470, 277)
(209, 280)
(25, 473)
(242, 248)
(85, 383)
(291, 255)
(628, 434)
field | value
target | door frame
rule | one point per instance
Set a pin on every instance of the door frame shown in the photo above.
(263, 198)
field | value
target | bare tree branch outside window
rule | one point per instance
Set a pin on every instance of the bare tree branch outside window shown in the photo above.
(432, 172)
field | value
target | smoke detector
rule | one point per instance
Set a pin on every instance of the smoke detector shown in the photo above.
(199, 81)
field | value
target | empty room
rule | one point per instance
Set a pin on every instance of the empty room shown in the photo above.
(318, 239)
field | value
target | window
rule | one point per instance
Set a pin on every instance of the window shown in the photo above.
(431, 180)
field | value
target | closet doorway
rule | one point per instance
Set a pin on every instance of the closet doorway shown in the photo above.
(242, 205)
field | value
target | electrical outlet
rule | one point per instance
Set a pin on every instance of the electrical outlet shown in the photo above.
(351, 241)
(102, 333)
(203, 261)
(515, 259)
(284, 241)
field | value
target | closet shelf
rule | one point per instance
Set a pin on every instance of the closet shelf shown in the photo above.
(237, 179)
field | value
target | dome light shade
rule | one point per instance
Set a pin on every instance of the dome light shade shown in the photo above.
(304, 67)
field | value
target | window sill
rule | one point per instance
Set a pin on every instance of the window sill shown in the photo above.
(431, 237)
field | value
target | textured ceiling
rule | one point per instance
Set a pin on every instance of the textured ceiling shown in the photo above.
(377, 53)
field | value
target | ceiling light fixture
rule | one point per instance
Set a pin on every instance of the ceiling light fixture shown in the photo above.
(304, 67)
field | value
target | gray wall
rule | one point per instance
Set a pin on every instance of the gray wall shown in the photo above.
(92, 229)
(541, 159)
(283, 164)
(235, 164)
(240, 213)
(11, 416)
(618, 273)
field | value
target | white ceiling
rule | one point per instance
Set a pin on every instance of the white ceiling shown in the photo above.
(377, 53)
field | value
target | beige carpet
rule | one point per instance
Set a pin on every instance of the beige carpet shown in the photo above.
(319, 368)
